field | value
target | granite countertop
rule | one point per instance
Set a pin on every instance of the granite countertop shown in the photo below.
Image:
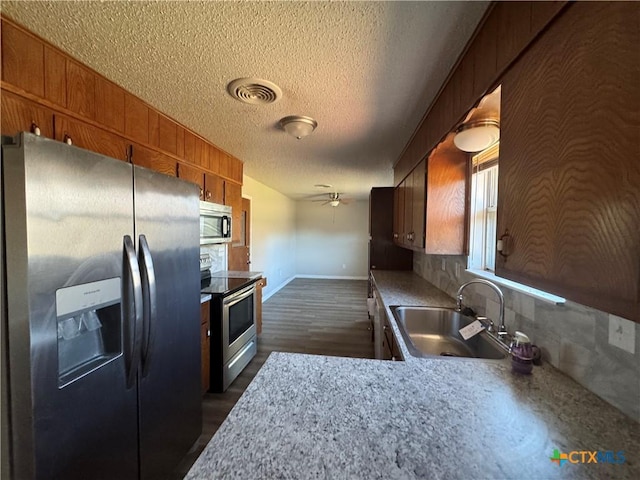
(306, 416)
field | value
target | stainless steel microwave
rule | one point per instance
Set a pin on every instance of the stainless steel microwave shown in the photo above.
(215, 223)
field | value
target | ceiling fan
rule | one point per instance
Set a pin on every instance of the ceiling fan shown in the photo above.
(334, 200)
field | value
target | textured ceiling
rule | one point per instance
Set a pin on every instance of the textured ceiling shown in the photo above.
(366, 71)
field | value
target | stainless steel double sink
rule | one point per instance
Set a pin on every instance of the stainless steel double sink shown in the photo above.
(434, 332)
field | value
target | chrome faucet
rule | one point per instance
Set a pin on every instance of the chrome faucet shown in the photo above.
(502, 330)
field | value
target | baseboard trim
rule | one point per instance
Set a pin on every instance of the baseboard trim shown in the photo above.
(267, 296)
(333, 277)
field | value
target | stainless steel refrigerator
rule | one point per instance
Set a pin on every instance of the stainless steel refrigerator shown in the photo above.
(101, 302)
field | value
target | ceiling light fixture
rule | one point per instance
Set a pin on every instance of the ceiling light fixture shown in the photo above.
(334, 203)
(477, 136)
(298, 126)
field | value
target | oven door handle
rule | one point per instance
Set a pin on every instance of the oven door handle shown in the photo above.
(239, 295)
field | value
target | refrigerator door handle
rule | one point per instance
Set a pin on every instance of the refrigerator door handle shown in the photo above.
(149, 294)
(132, 308)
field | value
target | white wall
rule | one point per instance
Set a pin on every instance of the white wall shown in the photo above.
(332, 241)
(273, 235)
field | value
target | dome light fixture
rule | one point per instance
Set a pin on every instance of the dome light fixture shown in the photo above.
(477, 135)
(334, 203)
(298, 126)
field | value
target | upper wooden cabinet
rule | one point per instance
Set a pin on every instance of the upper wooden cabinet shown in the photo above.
(409, 212)
(136, 118)
(145, 157)
(81, 90)
(20, 115)
(505, 33)
(569, 168)
(91, 138)
(233, 198)
(214, 188)
(193, 175)
(447, 200)
(49, 90)
(22, 60)
(110, 104)
(430, 214)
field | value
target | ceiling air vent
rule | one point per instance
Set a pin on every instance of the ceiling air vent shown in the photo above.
(254, 91)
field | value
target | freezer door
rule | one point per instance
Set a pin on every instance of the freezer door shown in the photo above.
(69, 309)
(167, 229)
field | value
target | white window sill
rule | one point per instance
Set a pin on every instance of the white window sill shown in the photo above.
(539, 294)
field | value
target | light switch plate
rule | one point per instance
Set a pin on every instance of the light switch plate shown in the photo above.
(622, 333)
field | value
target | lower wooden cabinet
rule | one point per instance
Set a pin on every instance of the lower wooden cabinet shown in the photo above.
(390, 349)
(205, 344)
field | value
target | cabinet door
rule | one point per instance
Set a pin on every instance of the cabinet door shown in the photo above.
(192, 174)
(398, 214)
(407, 231)
(446, 205)
(233, 198)
(205, 345)
(20, 115)
(22, 60)
(110, 104)
(418, 205)
(91, 138)
(81, 84)
(145, 157)
(213, 188)
(569, 171)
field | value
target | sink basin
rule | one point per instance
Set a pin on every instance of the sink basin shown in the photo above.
(431, 331)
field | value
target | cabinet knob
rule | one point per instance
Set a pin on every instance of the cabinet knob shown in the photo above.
(395, 235)
(67, 139)
(35, 129)
(208, 333)
(208, 195)
(201, 193)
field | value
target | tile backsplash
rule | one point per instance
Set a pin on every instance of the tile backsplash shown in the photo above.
(598, 350)
(218, 253)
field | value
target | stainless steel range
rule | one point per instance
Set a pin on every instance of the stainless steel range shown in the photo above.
(233, 328)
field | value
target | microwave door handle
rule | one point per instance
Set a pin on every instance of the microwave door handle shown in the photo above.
(132, 311)
(149, 298)
(226, 231)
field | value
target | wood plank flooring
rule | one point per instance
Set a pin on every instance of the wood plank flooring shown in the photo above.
(320, 317)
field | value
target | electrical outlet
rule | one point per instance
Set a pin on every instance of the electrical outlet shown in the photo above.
(444, 265)
(622, 333)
